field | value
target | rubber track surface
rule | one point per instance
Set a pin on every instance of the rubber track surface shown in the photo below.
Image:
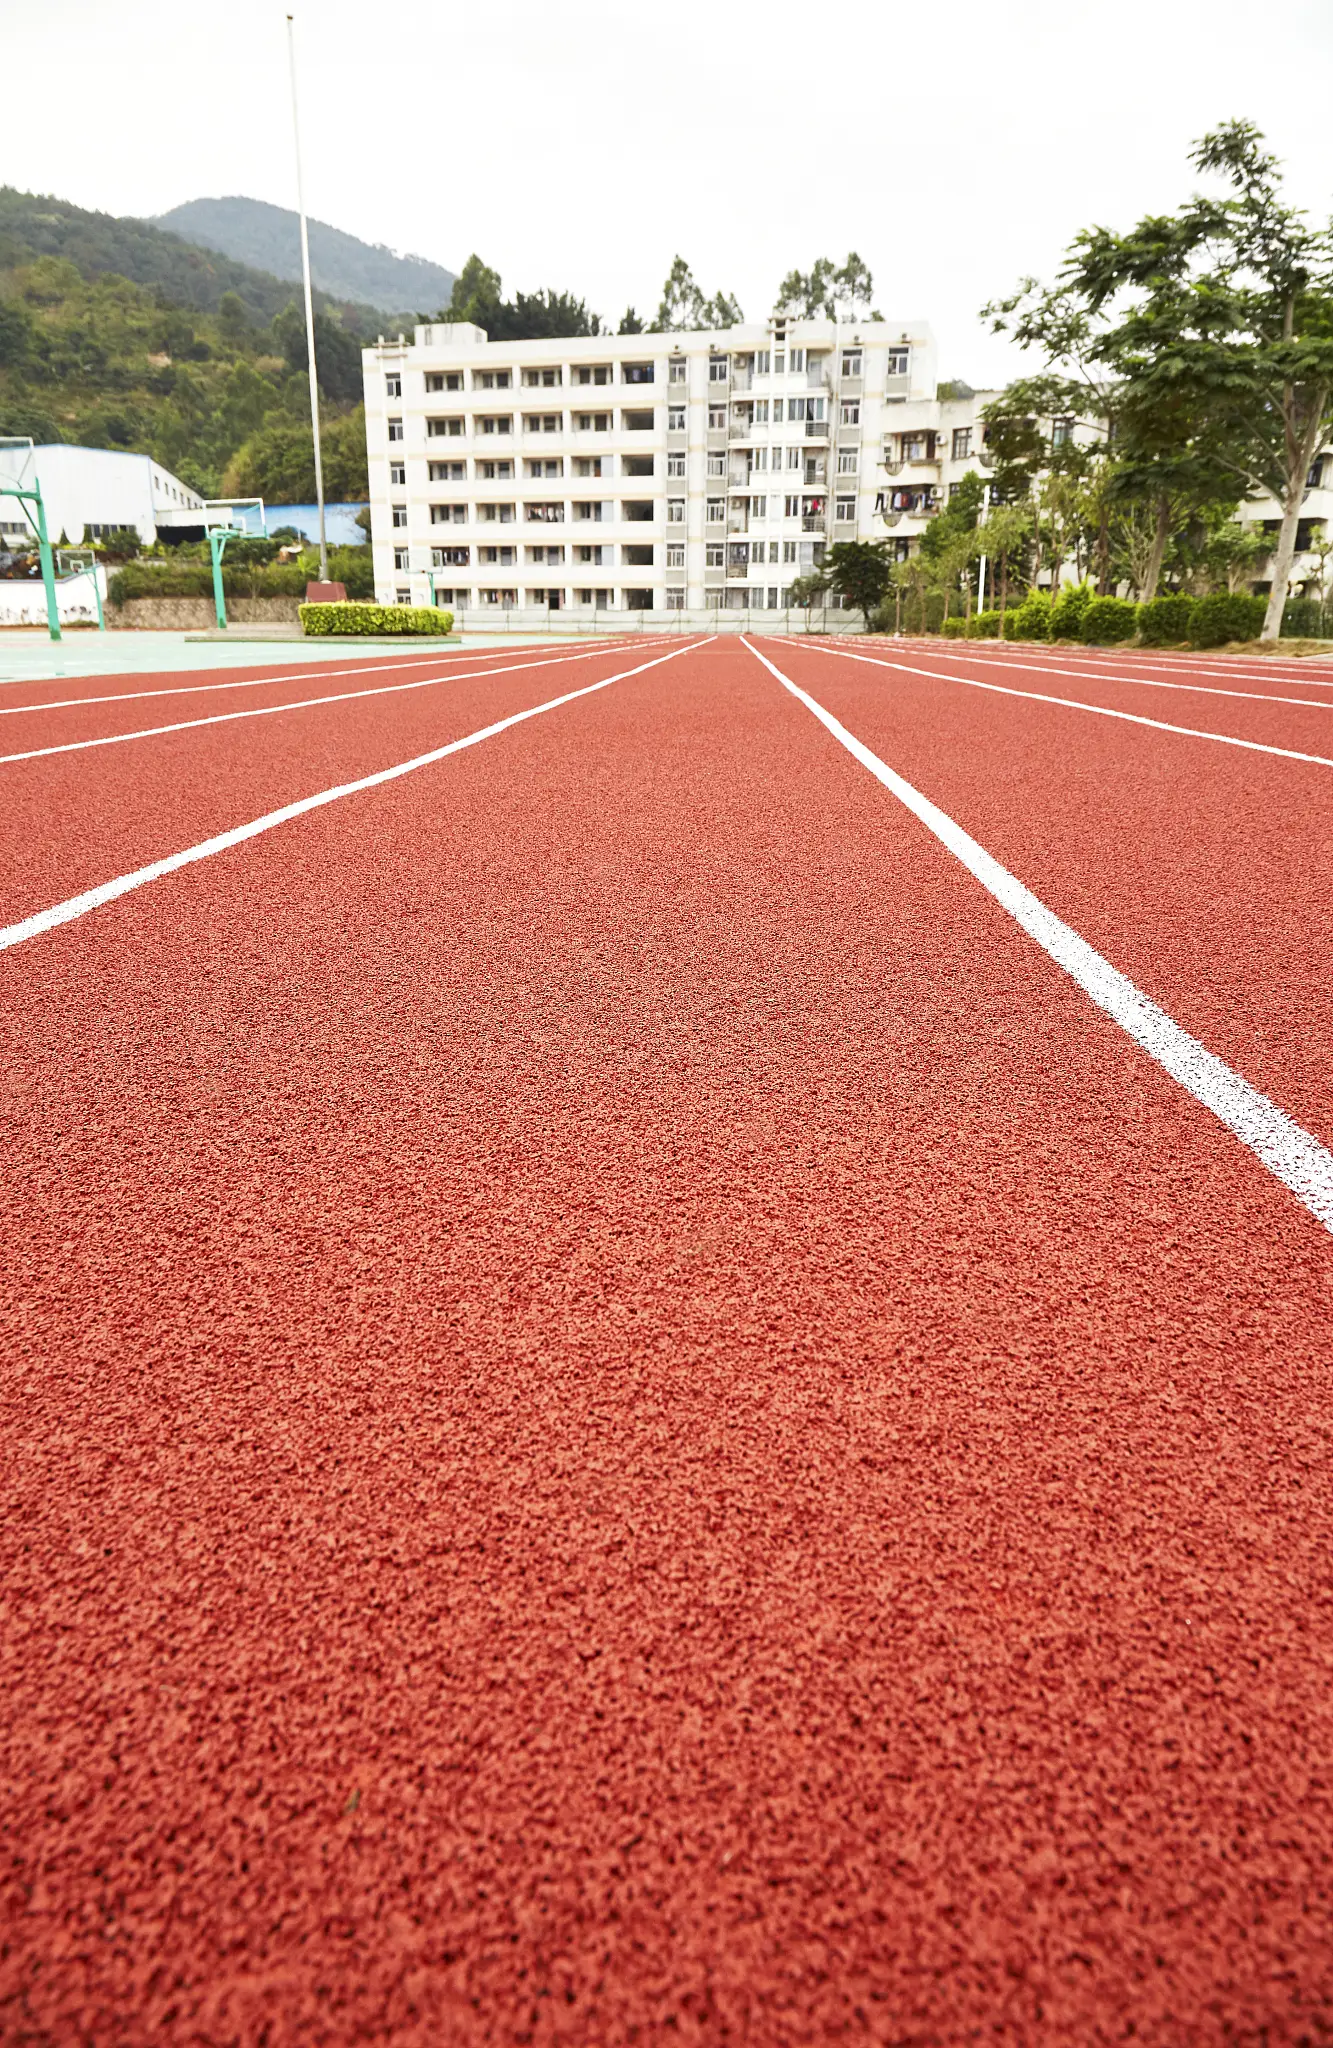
(627, 1420)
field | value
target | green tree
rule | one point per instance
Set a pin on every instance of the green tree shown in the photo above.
(630, 322)
(684, 309)
(337, 353)
(1222, 316)
(859, 571)
(828, 291)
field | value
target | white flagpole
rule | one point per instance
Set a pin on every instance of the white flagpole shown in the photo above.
(309, 312)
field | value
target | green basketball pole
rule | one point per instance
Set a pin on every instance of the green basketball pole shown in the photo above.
(34, 498)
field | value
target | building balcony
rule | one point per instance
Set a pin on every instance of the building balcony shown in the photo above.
(741, 380)
(739, 430)
(813, 523)
(737, 571)
(738, 522)
(816, 430)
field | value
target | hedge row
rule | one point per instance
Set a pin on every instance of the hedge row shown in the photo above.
(374, 618)
(1110, 621)
(195, 579)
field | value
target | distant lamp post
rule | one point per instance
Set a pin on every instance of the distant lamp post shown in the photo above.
(309, 308)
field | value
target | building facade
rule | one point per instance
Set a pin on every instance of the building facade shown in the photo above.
(661, 473)
(95, 491)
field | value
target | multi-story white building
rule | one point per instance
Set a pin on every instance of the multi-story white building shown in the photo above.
(649, 472)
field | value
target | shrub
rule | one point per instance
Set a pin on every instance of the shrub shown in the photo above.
(1215, 620)
(953, 629)
(374, 618)
(1068, 610)
(1165, 621)
(1304, 618)
(1109, 621)
(1032, 619)
(985, 626)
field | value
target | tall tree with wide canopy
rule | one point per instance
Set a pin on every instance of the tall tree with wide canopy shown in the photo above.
(1220, 319)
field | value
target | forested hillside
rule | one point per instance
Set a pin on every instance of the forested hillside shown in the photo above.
(269, 237)
(120, 335)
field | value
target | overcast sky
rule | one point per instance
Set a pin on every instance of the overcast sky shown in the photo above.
(581, 143)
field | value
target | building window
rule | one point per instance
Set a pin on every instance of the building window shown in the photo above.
(779, 362)
(756, 551)
(719, 368)
(962, 443)
(675, 419)
(450, 558)
(587, 465)
(593, 373)
(1062, 432)
(593, 422)
(717, 465)
(847, 461)
(675, 465)
(759, 508)
(444, 380)
(400, 558)
(434, 427)
(791, 508)
(402, 596)
(675, 555)
(851, 362)
(715, 511)
(789, 551)
(717, 418)
(490, 380)
(898, 361)
(675, 600)
(397, 472)
(637, 422)
(542, 422)
(677, 370)
(763, 362)
(850, 413)
(495, 472)
(497, 423)
(715, 555)
(395, 430)
(844, 509)
(446, 472)
(543, 514)
(675, 511)
(393, 385)
(636, 373)
(535, 379)
(448, 515)
(400, 515)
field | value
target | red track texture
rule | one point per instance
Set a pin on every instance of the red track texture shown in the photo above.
(627, 1418)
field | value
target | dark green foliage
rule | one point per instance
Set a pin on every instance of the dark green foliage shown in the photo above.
(953, 629)
(337, 353)
(1217, 619)
(320, 619)
(1031, 620)
(1306, 619)
(1109, 621)
(188, 573)
(630, 322)
(860, 571)
(278, 463)
(983, 626)
(530, 316)
(1067, 612)
(17, 417)
(1166, 621)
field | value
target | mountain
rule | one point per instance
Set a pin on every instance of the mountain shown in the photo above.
(34, 225)
(269, 238)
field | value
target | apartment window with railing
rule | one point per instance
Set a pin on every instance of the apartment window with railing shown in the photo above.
(677, 370)
(400, 515)
(718, 369)
(851, 362)
(844, 509)
(675, 555)
(675, 600)
(962, 443)
(395, 430)
(847, 461)
(675, 511)
(898, 361)
(675, 465)
(849, 413)
(444, 380)
(393, 385)
(675, 419)
(397, 472)
(715, 510)
(715, 555)
(435, 428)
(717, 465)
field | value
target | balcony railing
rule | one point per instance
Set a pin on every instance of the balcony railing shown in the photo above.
(737, 522)
(816, 430)
(739, 430)
(813, 523)
(740, 380)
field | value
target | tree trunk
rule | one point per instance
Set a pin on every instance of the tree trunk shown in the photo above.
(1161, 535)
(1304, 454)
(1104, 551)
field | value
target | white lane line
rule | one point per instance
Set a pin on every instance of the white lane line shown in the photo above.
(115, 739)
(107, 892)
(1191, 732)
(1298, 1160)
(300, 673)
(1100, 675)
(1310, 674)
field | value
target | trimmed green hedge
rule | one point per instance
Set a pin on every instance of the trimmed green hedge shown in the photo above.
(1165, 621)
(954, 629)
(1217, 619)
(1304, 618)
(985, 626)
(1108, 621)
(1067, 612)
(317, 619)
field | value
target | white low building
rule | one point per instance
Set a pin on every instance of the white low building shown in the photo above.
(90, 492)
(649, 472)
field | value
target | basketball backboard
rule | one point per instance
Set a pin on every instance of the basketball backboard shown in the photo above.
(235, 515)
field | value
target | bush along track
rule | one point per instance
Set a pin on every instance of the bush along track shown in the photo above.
(319, 620)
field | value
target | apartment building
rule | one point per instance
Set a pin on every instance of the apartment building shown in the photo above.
(646, 473)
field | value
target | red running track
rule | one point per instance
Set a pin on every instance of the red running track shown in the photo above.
(627, 1417)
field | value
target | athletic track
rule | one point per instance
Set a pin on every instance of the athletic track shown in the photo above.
(668, 1379)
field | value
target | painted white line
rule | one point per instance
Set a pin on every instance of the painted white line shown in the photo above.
(1310, 674)
(1102, 675)
(1298, 1160)
(1191, 732)
(150, 732)
(107, 892)
(298, 673)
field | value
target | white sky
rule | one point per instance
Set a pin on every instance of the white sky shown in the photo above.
(581, 143)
